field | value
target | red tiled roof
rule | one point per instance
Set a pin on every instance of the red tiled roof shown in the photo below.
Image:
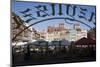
(85, 41)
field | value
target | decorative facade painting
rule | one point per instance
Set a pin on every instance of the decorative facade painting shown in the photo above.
(52, 33)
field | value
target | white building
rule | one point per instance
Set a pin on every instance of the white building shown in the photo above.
(61, 32)
(81, 34)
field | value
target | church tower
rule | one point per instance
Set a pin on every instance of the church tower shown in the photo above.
(61, 26)
(77, 26)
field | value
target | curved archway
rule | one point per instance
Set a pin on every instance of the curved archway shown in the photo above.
(50, 19)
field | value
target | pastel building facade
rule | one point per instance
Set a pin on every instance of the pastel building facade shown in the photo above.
(60, 32)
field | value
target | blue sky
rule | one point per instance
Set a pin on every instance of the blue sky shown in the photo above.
(21, 6)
